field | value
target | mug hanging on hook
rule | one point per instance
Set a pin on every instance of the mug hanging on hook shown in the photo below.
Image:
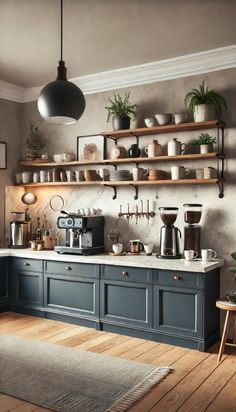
(56, 203)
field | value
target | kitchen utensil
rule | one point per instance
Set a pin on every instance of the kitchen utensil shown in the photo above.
(29, 198)
(175, 147)
(190, 255)
(117, 248)
(208, 254)
(118, 152)
(169, 237)
(136, 246)
(36, 177)
(163, 118)
(199, 173)
(43, 176)
(153, 149)
(139, 173)
(209, 173)
(179, 172)
(58, 158)
(180, 118)
(192, 231)
(26, 177)
(150, 121)
(103, 173)
(148, 249)
(79, 175)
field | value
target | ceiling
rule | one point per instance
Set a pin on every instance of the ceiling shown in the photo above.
(102, 35)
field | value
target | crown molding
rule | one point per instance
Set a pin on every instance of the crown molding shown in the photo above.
(183, 66)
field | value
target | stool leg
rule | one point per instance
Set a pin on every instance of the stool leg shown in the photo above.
(225, 334)
(234, 335)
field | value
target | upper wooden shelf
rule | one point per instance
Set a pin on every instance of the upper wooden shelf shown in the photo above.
(183, 157)
(182, 127)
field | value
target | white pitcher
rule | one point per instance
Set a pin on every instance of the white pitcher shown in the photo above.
(175, 147)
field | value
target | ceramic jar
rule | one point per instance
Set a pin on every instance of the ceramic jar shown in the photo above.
(153, 149)
(175, 147)
(134, 151)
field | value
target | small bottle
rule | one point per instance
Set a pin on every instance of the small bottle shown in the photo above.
(38, 231)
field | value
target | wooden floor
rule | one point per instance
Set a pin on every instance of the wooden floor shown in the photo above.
(197, 383)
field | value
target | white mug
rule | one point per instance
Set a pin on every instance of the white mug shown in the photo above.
(26, 177)
(190, 254)
(209, 173)
(18, 178)
(70, 175)
(36, 178)
(148, 249)
(102, 173)
(199, 173)
(208, 254)
(139, 173)
(117, 248)
(180, 118)
(178, 172)
(43, 176)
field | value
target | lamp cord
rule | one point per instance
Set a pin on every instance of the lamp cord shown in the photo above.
(61, 29)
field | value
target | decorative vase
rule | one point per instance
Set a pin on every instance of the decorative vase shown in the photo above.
(203, 113)
(120, 122)
(134, 151)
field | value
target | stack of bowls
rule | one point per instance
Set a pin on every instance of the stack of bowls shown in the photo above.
(118, 175)
(157, 174)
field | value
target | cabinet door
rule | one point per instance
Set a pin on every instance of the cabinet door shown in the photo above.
(27, 288)
(72, 294)
(126, 303)
(3, 281)
(178, 310)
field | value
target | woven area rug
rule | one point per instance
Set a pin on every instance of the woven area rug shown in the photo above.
(67, 379)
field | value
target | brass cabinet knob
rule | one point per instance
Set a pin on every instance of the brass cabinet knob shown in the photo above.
(26, 264)
(176, 277)
(68, 268)
(125, 273)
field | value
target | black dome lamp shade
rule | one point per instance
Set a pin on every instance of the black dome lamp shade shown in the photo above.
(61, 101)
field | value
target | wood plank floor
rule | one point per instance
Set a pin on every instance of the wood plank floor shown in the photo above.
(197, 383)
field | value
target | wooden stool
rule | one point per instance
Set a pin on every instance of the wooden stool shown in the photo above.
(230, 312)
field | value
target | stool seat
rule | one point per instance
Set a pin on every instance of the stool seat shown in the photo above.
(230, 309)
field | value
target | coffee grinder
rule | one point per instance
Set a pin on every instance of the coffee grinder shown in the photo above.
(192, 231)
(169, 238)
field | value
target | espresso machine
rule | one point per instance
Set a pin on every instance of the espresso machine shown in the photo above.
(84, 234)
(169, 238)
(192, 231)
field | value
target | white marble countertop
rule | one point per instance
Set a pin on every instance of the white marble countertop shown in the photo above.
(141, 261)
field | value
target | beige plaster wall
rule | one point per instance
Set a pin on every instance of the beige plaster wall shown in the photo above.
(219, 215)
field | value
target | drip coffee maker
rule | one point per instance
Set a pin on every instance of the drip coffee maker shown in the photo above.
(192, 231)
(169, 239)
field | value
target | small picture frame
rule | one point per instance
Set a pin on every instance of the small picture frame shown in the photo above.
(90, 141)
(3, 155)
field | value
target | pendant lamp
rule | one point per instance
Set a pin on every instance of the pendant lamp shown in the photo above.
(61, 101)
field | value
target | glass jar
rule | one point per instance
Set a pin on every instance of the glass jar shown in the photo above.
(192, 213)
(168, 215)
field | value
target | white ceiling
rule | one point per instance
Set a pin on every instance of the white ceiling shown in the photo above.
(101, 35)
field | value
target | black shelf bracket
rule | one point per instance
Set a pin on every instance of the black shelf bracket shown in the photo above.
(135, 191)
(221, 189)
(114, 190)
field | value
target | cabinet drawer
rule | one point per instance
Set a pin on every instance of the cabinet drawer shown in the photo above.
(126, 273)
(179, 279)
(23, 264)
(75, 269)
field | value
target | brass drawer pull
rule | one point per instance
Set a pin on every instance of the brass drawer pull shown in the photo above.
(125, 273)
(177, 277)
(68, 268)
(26, 264)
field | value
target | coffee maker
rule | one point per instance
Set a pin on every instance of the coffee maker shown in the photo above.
(192, 231)
(20, 230)
(84, 234)
(169, 238)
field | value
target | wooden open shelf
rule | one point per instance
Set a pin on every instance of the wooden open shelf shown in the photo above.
(183, 157)
(127, 183)
(170, 128)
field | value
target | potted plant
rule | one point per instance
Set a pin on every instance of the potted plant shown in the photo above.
(35, 142)
(120, 110)
(205, 104)
(205, 141)
(231, 296)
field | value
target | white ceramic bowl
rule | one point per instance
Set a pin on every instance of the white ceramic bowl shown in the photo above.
(58, 158)
(163, 118)
(150, 121)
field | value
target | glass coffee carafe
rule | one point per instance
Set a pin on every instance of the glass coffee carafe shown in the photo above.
(192, 231)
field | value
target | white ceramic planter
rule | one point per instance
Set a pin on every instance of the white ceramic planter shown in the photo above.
(206, 148)
(203, 113)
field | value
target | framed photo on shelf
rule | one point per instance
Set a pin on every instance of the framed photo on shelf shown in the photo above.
(90, 147)
(3, 155)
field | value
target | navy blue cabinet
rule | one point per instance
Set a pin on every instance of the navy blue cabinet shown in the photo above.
(126, 296)
(72, 289)
(26, 284)
(4, 295)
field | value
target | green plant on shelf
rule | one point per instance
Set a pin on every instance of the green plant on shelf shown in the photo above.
(204, 96)
(204, 139)
(35, 141)
(121, 106)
